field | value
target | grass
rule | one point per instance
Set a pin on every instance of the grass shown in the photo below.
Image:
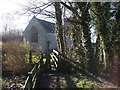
(77, 81)
(51, 54)
(44, 59)
(35, 58)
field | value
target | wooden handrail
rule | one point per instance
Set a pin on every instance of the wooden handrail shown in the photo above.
(32, 76)
(56, 52)
(55, 60)
(26, 82)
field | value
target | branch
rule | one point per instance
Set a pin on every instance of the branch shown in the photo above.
(75, 21)
(68, 7)
(94, 12)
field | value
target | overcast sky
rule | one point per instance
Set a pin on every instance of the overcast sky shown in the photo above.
(7, 12)
(8, 9)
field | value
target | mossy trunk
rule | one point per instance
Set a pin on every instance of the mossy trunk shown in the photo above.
(103, 31)
(60, 40)
(86, 33)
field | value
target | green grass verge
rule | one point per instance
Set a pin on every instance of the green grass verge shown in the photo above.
(77, 81)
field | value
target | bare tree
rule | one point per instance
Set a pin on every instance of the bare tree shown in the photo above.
(39, 8)
(9, 31)
(7, 24)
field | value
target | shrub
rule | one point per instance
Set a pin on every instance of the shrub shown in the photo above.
(15, 57)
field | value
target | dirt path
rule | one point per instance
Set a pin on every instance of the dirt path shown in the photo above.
(50, 81)
(71, 81)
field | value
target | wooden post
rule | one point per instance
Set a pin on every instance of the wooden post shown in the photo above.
(37, 67)
(48, 43)
(41, 65)
(30, 56)
(48, 57)
(30, 82)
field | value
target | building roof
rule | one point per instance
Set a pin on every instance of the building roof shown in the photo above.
(48, 26)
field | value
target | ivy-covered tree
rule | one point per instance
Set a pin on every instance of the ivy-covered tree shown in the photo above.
(59, 31)
(81, 12)
(105, 24)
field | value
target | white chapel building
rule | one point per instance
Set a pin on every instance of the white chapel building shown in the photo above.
(40, 34)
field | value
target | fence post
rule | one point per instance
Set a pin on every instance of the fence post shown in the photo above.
(30, 56)
(37, 68)
(47, 62)
(30, 82)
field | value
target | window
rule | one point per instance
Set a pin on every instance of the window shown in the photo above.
(34, 34)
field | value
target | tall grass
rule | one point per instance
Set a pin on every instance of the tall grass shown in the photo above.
(15, 57)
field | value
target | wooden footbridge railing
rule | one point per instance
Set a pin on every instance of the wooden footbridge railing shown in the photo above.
(38, 69)
(32, 76)
(54, 60)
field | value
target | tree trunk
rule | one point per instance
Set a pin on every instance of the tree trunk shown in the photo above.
(58, 13)
(102, 30)
(91, 62)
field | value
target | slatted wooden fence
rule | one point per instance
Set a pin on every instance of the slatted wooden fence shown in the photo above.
(32, 76)
(59, 62)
